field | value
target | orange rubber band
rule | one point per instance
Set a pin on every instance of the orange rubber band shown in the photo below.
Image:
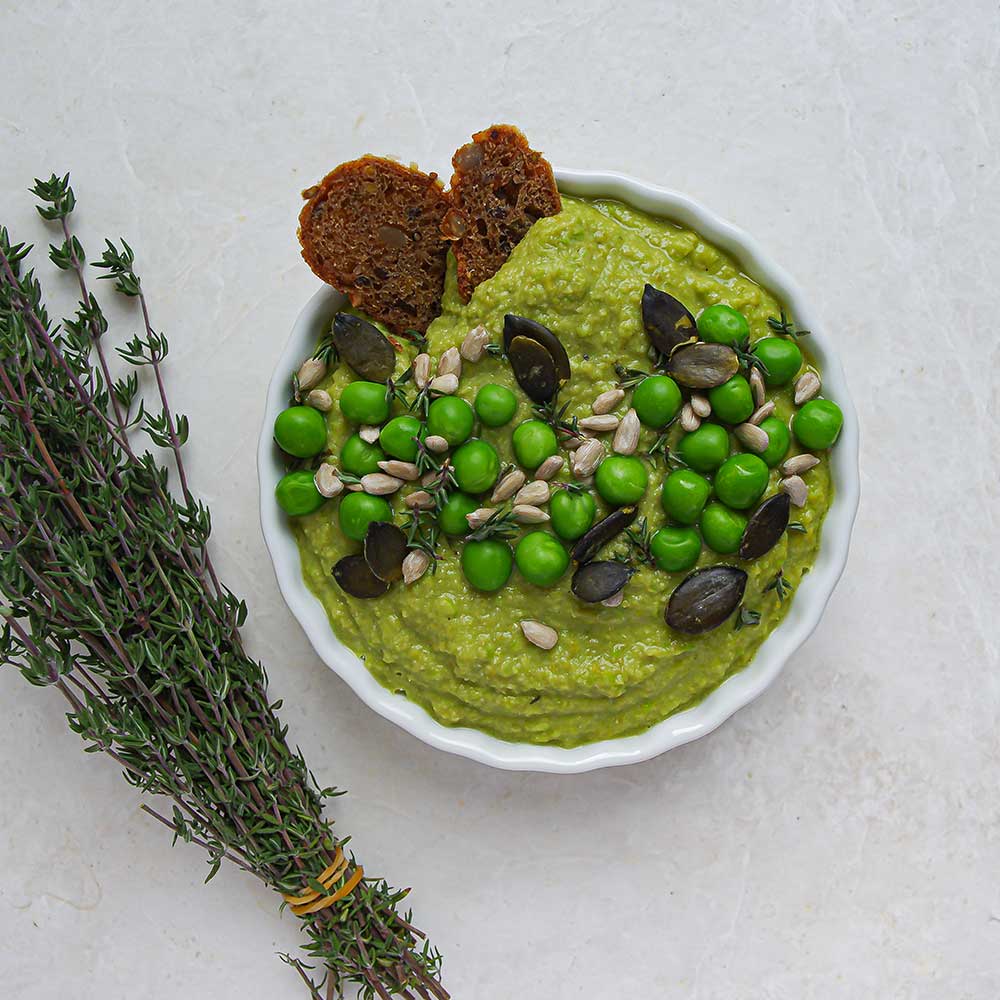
(329, 875)
(321, 904)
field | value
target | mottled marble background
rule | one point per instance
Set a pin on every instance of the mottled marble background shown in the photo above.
(840, 838)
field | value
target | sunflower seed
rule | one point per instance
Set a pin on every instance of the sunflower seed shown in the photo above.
(607, 401)
(444, 384)
(753, 437)
(701, 405)
(571, 442)
(378, 484)
(428, 477)
(327, 481)
(421, 370)
(474, 345)
(479, 517)
(550, 467)
(450, 363)
(319, 399)
(600, 424)
(796, 489)
(415, 565)
(539, 634)
(525, 513)
(508, 486)
(757, 386)
(587, 458)
(369, 433)
(419, 500)
(615, 599)
(310, 374)
(690, 421)
(807, 387)
(436, 443)
(798, 464)
(535, 493)
(626, 438)
(401, 470)
(762, 413)
(354, 487)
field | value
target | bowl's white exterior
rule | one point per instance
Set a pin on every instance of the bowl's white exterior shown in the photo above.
(810, 598)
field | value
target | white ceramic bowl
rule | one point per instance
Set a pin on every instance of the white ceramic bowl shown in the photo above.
(740, 689)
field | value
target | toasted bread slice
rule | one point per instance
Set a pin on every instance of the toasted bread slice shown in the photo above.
(372, 229)
(500, 187)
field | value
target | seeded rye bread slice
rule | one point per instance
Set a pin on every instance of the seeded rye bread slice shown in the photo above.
(372, 229)
(500, 187)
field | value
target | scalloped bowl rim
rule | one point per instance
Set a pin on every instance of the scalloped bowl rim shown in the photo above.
(738, 690)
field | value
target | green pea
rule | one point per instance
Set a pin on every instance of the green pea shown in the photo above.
(782, 358)
(451, 418)
(533, 441)
(684, 495)
(779, 440)
(817, 425)
(451, 517)
(656, 400)
(301, 431)
(621, 479)
(495, 405)
(358, 457)
(364, 403)
(487, 564)
(675, 549)
(722, 528)
(572, 513)
(541, 558)
(399, 437)
(741, 481)
(296, 493)
(732, 402)
(476, 466)
(722, 324)
(358, 510)
(704, 449)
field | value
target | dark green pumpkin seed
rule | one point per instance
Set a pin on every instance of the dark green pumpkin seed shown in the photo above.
(385, 550)
(356, 578)
(766, 526)
(667, 321)
(594, 582)
(521, 326)
(364, 347)
(601, 533)
(703, 366)
(704, 599)
(533, 368)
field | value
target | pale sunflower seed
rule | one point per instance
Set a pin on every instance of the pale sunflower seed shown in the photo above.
(479, 517)
(474, 345)
(807, 387)
(421, 370)
(415, 565)
(369, 433)
(626, 438)
(428, 477)
(508, 486)
(600, 424)
(436, 443)
(550, 467)
(535, 493)
(312, 372)
(378, 484)
(757, 386)
(572, 442)
(444, 384)
(354, 487)
(327, 481)
(419, 500)
(539, 634)
(450, 363)
(607, 401)
(615, 599)
(798, 464)
(701, 405)
(528, 514)
(796, 489)
(762, 413)
(401, 470)
(690, 421)
(753, 437)
(587, 458)
(319, 399)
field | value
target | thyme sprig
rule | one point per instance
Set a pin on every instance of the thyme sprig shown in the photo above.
(640, 539)
(500, 524)
(109, 595)
(555, 416)
(746, 618)
(422, 536)
(747, 359)
(629, 378)
(784, 327)
(781, 587)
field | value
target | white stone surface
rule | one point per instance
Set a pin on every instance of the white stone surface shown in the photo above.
(840, 838)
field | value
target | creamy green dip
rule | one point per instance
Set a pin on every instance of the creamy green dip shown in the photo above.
(615, 671)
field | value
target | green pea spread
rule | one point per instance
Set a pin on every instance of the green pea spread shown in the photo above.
(615, 671)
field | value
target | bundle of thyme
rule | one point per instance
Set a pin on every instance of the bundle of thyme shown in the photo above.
(108, 594)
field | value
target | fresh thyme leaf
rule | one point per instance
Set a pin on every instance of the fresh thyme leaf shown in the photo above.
(554, 415)
(784, 327)
(629, 378)
(415, 337)
(746, 618)
(796, 526)
(496, 351)
(639, 539)
(747, 359)
(500, 524)
(781, 587)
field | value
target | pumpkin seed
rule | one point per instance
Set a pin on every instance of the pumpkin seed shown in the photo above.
(474, 345)
(520, 326)
(798, 464)
(535, 493)
(587, 457)
(807, 387)
(607, 401)
(701, 405)
(450, 363)
(401, 470)
(533, 368)
(384, 550)
(690, 421)
(766, 526)
(310, 374)
(626, 438)
(796, 489)
(752, 437)
(444, 384)
(355, 577)
(508, 486)
(539, 634)
(525, 513)
(378, 484)
(415, 565)
(364, 347)
(327, 481)
(320, 399)
(594, 582)
(369, 433)
(601, 533)
(761, 413)
(668, 322)
(436, 443)
(600, 424)
(757, 387)
(421, 370)
(705, 599)
(550, 467)
(703, 366)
